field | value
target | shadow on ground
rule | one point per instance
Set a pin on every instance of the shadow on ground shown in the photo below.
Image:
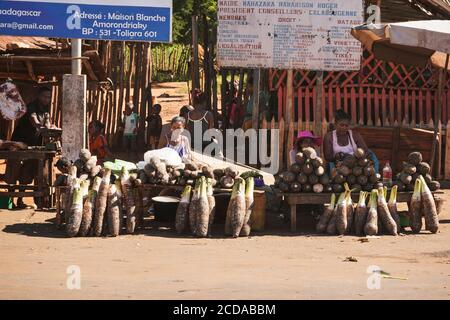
(41, 230)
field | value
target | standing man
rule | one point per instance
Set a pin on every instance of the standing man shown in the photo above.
(130, 128)
(28, 131)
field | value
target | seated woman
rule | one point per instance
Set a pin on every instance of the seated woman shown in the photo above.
(176, 140)
(343, 140)
(304, 139)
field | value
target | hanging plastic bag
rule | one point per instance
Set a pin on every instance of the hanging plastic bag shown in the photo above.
(12, 107)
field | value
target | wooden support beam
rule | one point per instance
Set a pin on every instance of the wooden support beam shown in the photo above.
(89, 70)
(15, 76)
(29, 66)
(318, 116)
(40, 58)
(256, 95)
(195, 60)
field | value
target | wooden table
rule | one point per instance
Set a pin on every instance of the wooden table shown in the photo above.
(40, 189)
(293, 199)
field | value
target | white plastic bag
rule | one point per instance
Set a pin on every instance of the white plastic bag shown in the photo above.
(12, 106)
(140, 165)
(167, 155)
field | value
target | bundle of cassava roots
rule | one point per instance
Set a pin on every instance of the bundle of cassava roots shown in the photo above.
(195, 212)
(379, 215)
(94, 204)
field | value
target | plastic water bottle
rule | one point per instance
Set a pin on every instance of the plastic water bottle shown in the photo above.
(387, 174)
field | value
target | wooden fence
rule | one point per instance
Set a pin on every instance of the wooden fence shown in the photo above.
(381, 94)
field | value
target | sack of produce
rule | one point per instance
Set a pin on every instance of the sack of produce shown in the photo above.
(392, 205)
(371, 227)
(415, 208)
(326, 215)
(429, 208)
(361, 213)
(181, 217)
(202, 209)
(167, 155)
(236, 209)
(128, 199)
(249, 200)
(383, 211)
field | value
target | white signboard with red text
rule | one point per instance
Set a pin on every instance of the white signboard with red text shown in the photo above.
(300, 34)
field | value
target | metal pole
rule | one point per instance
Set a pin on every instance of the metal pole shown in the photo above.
(76, 53)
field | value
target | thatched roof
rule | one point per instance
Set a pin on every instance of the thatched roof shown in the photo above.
(38, 58)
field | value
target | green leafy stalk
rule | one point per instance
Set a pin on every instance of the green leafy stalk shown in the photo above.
(381, 194)
(84, 188)
(362, 198)
(342, 198)
(346, 187)
(373, 199)
(417, 189)
(209, 187)
(424, 186)
(186, 194)
(393, 196)
(77, 196)
(332, 202)
(96, 183)
(249, 186)
(203, 187)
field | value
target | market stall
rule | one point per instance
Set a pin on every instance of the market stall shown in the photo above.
(114, 198)
(350, 181)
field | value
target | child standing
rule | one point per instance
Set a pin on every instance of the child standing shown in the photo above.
(154, 127)
(130, 128)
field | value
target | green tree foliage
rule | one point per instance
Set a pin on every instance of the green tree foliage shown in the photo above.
(183, 10)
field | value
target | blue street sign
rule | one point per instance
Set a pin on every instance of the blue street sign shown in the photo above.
(141, 20)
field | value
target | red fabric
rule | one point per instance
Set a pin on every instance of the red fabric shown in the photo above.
(97, 146)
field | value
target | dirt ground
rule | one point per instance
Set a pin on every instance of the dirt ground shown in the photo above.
(276, 264)
(171, 104)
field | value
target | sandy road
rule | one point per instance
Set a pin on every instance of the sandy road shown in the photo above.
(158, 265)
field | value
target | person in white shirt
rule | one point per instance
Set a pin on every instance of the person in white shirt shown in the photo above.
(129, 128)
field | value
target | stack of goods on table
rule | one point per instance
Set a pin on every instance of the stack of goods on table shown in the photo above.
(95, 199)
(307, 174)
(379, 215)
(195, 212)
(158, 172)
(356, 170)
(412, 169)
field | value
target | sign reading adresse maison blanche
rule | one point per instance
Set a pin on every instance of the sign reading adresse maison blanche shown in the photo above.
(137, 20)
(301, 34)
